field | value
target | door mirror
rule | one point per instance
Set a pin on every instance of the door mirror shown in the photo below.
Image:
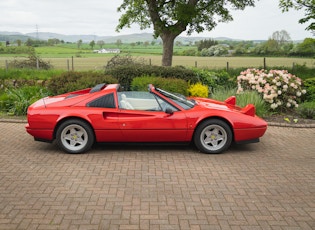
(168, 110)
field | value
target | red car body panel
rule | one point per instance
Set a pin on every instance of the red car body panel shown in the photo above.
(121, 125)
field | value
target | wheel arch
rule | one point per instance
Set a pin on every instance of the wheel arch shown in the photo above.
(69, 118)
(218, 118)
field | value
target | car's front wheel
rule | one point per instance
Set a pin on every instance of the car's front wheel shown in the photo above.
(213, 136)
(75, 136)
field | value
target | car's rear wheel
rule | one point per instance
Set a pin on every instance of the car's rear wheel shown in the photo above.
(75, 136)
(213, 136)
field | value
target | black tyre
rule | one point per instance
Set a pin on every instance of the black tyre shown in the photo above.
(75, 136)
(213, 136)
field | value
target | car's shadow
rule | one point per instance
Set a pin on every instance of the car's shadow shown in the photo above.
(166, 147)
(242, 148)
(144, 148)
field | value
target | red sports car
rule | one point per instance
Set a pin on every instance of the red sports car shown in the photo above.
(105, 113)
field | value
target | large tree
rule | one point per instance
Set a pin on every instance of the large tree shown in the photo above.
(281, 37)
(170, 18)
(307, 5)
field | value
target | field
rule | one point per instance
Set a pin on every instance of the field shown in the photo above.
(70, 57)
(98, 62)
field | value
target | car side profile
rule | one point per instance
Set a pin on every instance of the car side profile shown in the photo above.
(104, 113)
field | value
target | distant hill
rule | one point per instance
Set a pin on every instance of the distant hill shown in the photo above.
(12, 36)
(130, 38)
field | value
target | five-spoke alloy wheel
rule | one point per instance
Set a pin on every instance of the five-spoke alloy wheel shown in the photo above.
(213, 136)
(75, 136)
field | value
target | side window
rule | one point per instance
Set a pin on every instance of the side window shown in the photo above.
(137, 100)
(142, 101)
(163, 105)
(106, 101)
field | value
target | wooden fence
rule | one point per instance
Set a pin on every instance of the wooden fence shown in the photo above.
(92, 63)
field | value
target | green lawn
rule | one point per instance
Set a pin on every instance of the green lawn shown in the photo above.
(61, 57)
(98, 61)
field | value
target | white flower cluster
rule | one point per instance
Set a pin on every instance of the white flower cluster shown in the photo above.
(277, 87)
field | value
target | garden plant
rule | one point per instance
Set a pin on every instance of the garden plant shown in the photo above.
(279, 88)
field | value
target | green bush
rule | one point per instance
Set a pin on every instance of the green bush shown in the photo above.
(16, 49)
(214, 79)
(190, 52)
(309, 85)
(71, 81)
(126, 73)
(178, 72)
(28, 74)
(25, 77)
(302, 71)
(307, 110)
(16, 100)
(169, 84)
(4, 102)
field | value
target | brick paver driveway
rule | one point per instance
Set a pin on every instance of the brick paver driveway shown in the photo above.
(268, 185)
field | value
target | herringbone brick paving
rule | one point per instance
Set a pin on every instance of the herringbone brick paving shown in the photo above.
(268, 185)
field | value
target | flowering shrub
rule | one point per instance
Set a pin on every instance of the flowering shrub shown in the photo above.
(198, 90)
(279, 88)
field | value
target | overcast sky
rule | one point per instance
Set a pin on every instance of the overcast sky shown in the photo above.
(100, 17)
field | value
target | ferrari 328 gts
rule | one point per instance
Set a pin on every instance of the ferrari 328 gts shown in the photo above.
(105, 113)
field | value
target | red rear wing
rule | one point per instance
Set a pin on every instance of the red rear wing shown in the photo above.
(231, 100)
(249, 110)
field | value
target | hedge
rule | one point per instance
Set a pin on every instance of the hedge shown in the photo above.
(71, 81)
(169, 84)
(126, 73)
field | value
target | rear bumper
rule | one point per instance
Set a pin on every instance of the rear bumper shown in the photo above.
(249, 135)
(40, 134)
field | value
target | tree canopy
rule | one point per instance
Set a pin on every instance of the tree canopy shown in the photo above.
(170, 18)
(307, 5)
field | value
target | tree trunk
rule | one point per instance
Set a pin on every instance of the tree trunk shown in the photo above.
(168, 45)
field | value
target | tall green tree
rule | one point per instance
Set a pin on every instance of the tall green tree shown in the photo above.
(79, 43)
(307, 5)
(101, 43)
(118, 42)
(206, 44)
(170, 18)
(92, 44)
(306, 48)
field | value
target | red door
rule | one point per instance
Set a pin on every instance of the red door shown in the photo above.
(152, 126)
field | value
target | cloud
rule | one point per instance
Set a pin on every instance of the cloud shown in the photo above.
(100, 17)
(17, 17)
(261, 21)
